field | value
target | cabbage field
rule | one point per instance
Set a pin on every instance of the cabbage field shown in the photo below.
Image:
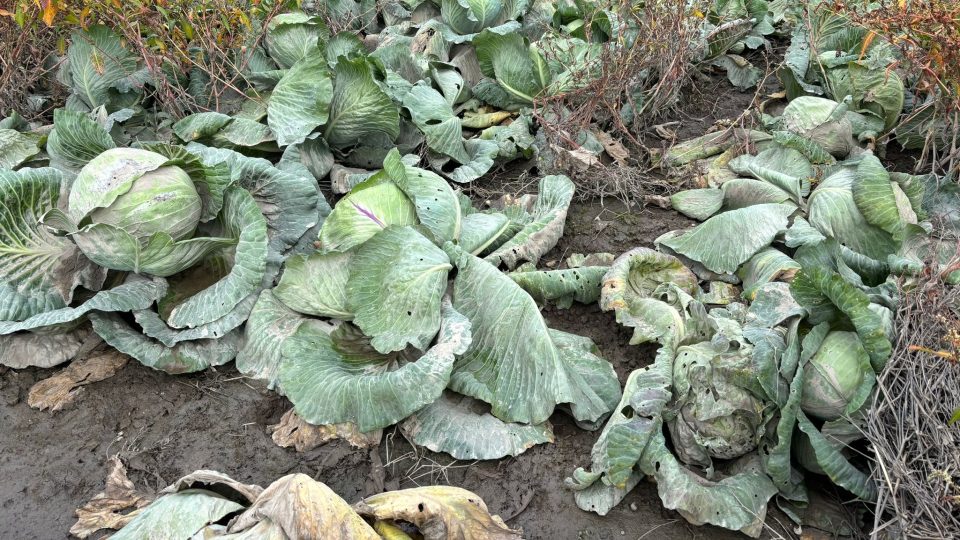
(470, 269)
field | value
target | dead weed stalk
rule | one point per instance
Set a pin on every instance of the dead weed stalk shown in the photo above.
(916, 445)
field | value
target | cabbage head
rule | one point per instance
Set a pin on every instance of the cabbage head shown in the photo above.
(716, 416)
(138, 210)
(836, 376)
(162, 200)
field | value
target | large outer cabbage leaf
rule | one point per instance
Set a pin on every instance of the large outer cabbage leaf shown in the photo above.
(102, 70)
(767, 265)
(461, 427)
(269, 325)
(471, 16)
(333, 377)
(301, 100)
(437, 205)
(154, 326)
(514, 362)
(519, 69)
(833, 210)
(359, 108)
(178, 515)
(184, 357)
(316, 285)
(139, 293)
(16, 147)
(76, 139)
(38, 270)
(874, 195)
(114, 248)
(397, 279)
(725, 241)
(241, 218)
(291, 37)
(290, 203)
(827, 297)
(785, 168)
(225, 131)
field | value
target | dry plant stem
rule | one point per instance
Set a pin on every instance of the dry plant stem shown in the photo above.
(655, 63)
(22, 57)
(917, 462)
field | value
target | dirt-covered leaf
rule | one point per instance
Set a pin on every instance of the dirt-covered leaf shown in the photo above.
(60, 390)
(303, 436)
(111, 508)
(462, 427)
(439, 512)
(26, 349)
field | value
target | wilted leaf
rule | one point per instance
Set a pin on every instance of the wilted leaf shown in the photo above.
(462, 427)
(60, 390)
(439, 512)
(303, 436)
(110, 509)
(304, 508)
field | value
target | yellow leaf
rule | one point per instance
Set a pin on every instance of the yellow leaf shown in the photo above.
(49, 12)
(5, 13)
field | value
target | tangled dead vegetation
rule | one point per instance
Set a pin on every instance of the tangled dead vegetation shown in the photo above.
(917, 467)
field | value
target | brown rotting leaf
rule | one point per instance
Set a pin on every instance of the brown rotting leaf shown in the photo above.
(60, 390)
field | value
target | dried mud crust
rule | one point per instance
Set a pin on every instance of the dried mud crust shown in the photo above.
(165, 426)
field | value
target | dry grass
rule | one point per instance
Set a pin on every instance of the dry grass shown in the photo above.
(645, 70)
(25, 70)
(917, 449)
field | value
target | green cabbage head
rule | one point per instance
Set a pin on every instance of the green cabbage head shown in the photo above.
(138, 210)
(834, 378)
(163, 200)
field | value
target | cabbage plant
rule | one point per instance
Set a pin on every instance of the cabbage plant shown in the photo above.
(375, 311)
(180, 239)
(758, 389)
